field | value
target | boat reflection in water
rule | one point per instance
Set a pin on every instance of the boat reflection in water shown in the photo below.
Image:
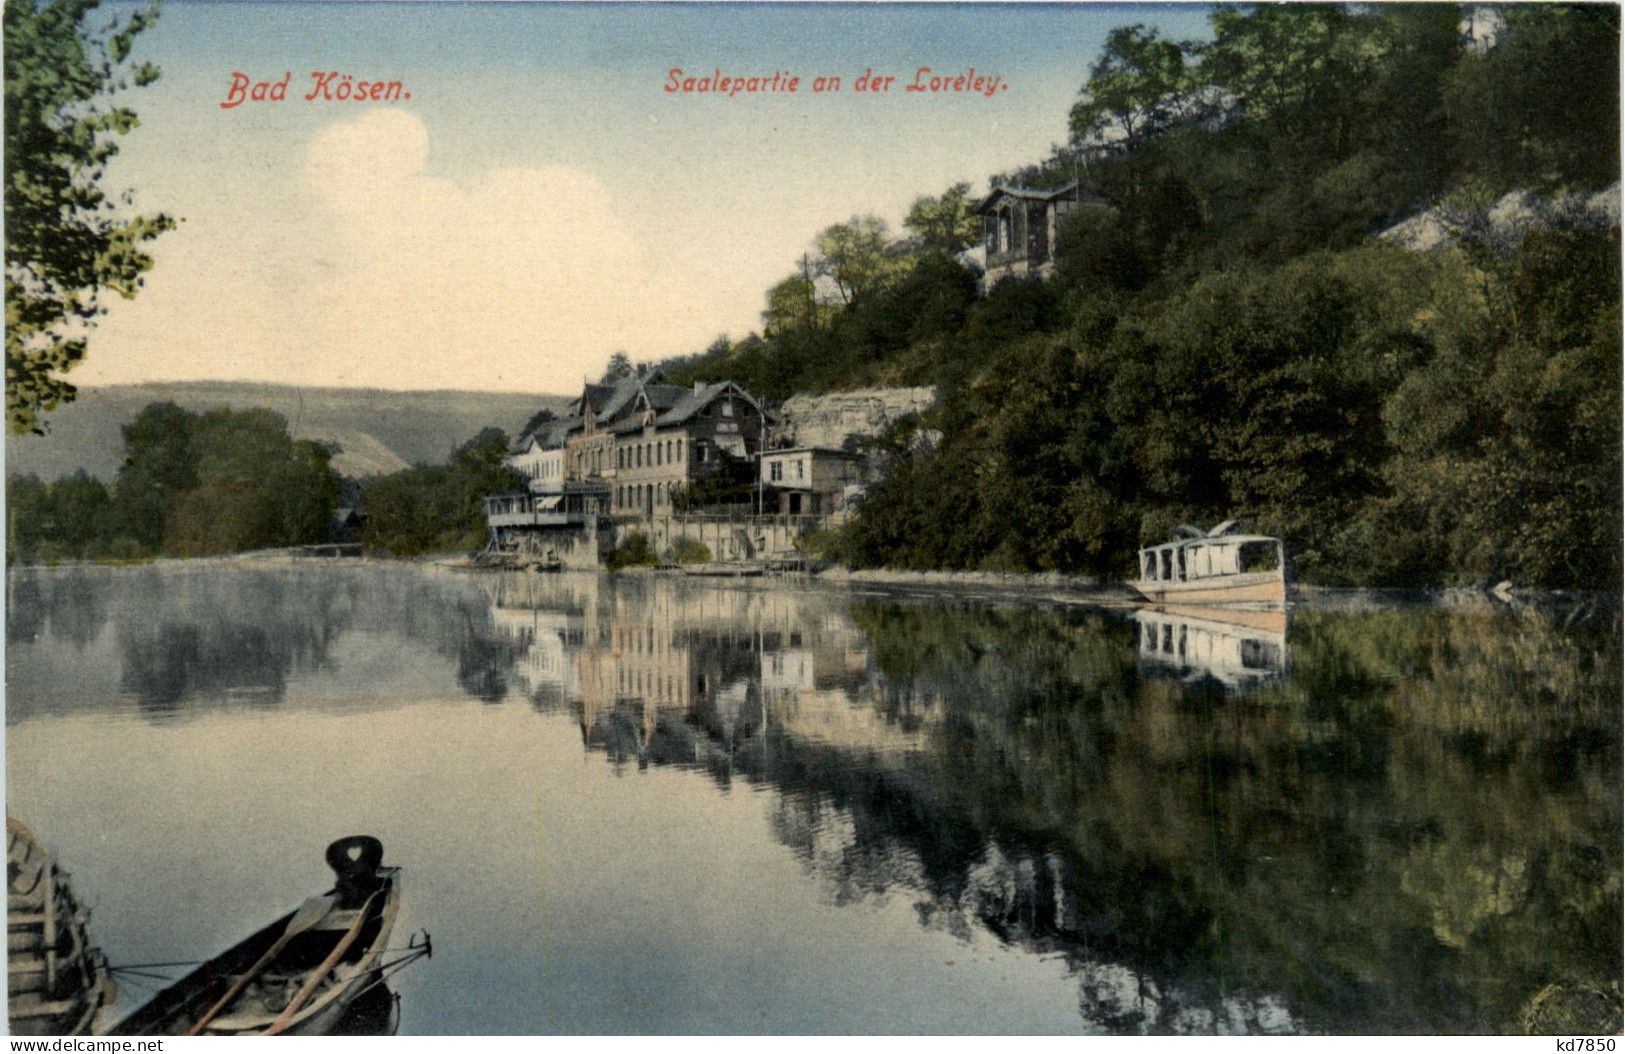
(375, 1012)
(1241, 649)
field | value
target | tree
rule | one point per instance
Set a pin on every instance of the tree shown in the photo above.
(67, 240)
(537, 420)
(619, 367)
(1136, 89)
(1310, 72)
(182, 471)
(439, 507)
(945, 224)
(793, 303)
(1541, 106)
(221, 516)
(857, 257)
(158, 467)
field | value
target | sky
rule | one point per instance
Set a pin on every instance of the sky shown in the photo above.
(540, 201)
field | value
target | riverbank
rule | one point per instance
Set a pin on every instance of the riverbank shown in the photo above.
(1042, 588)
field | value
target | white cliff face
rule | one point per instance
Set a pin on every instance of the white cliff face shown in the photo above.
(833, 419)
(1505, 223)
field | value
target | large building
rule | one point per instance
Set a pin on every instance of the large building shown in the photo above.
(630, 447)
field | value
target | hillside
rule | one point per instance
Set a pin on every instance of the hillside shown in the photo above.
(1340, 271)
(378, 431)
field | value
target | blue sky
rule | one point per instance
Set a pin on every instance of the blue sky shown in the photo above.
(540, 202)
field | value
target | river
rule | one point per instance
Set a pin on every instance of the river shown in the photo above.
(656, 805)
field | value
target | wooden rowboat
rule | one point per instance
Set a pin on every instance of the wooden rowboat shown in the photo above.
(300, 974)
(58, 984)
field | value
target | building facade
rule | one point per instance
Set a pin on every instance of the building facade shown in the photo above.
(637, 443)
(661, 451)
(1020, 228)
(808, 480)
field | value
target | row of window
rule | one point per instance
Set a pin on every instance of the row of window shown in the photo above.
(646, 683)
(657, 452)
(645, 496)
(775, 470)
(549, 468)
(590, 461)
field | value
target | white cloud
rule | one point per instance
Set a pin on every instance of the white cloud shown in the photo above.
(374, 272)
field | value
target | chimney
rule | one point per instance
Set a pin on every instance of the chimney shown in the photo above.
(699, 386)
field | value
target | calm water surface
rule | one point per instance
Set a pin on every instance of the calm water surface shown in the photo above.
(655, 805)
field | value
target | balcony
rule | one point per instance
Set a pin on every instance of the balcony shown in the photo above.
(574, 508)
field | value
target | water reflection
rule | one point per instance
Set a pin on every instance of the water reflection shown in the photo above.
(1413, 825)
(375, 1012)
(1238, 648)
(1299, 857)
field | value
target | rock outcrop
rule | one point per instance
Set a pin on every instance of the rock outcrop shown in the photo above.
(1505, 223)
(841, 419)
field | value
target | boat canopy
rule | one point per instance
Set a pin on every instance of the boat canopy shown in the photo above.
(1206, 555)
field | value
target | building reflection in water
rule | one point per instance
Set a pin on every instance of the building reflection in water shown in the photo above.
(1240, 649)
(727, 663)
(1370, 837)
(1067, 782)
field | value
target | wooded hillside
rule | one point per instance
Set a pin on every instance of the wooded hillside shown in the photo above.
(1234, 338)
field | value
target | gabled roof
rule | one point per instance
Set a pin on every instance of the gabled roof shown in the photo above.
(613, 401)
(548, 435)
(696, 399)
(1076, 191)
(618, 398)
(663, 397)
(593, 393)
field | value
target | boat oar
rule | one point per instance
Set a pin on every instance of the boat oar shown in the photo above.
(310, 912)
(316, 975)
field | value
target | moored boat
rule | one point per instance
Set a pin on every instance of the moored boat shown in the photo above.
(1221, 566)
(298, 975)
(725, 569)
(57, 984)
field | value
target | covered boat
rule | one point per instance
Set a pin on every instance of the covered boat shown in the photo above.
(1221, 566)
(58, 985)
(300, 974)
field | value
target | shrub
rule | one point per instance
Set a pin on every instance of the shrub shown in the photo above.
(634, 551)
(686, 550)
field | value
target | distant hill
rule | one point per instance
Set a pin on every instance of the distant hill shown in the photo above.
(378, 431)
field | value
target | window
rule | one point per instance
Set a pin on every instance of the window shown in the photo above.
(727, 408)
(801, 468)
(775, 471)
